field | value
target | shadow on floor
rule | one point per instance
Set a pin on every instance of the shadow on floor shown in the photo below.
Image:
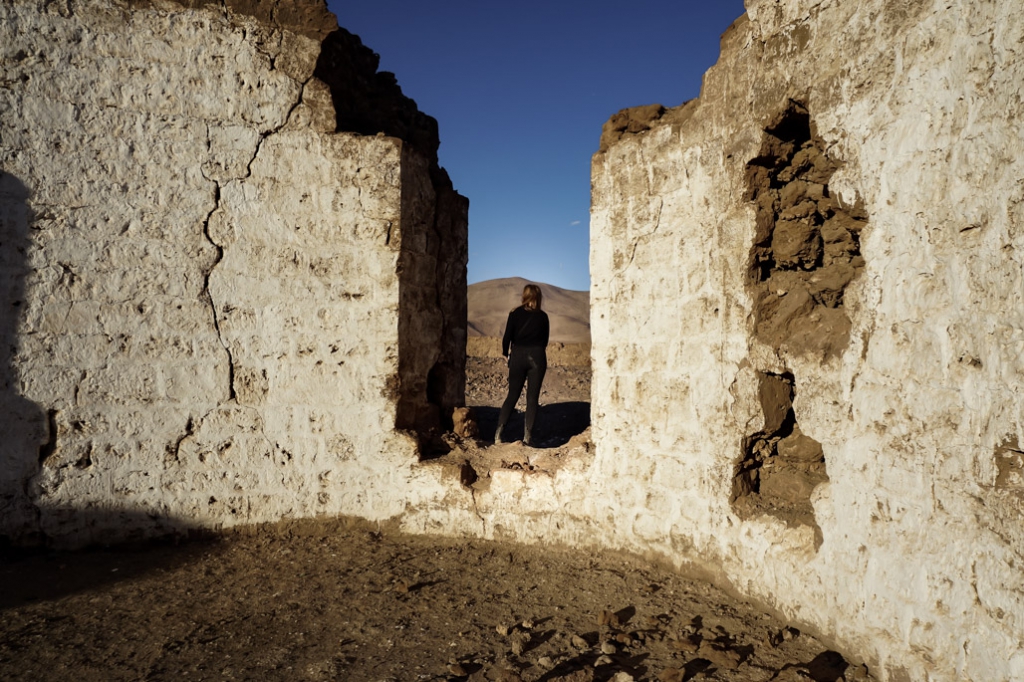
(29, 575)
(556, 423)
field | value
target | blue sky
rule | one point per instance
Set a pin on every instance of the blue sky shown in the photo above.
(520, 91)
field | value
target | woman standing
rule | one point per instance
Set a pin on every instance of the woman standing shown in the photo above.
(526, 332)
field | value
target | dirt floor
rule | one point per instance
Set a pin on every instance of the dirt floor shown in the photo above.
(338, 600)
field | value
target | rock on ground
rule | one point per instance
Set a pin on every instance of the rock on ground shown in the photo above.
(331, 601)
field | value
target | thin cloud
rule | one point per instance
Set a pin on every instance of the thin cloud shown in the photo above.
(575, 223)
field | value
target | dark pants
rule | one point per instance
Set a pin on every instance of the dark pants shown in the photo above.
(526, 365)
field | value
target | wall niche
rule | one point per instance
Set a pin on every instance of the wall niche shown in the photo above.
(806, 248)
(780, 466)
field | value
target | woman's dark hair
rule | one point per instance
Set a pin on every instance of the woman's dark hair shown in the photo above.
(531, 297)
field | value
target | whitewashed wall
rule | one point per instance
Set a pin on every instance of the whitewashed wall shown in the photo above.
(201, 278)
(920, 556)
(200, 292)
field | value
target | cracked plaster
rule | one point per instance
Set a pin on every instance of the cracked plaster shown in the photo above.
(205, 277)
(920, 541)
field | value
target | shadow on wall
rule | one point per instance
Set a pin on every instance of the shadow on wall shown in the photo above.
(27, 436)
(34, 575)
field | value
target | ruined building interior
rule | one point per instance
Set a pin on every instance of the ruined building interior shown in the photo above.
(829, 421)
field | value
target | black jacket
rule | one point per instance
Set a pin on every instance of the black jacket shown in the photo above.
(525, 328)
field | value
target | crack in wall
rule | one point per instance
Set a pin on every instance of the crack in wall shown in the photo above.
(173, 454)
(275, 130)
(78, 388)
(258, 44)
(209, 293)
(476, 510)
(232, 394)
(647, 235)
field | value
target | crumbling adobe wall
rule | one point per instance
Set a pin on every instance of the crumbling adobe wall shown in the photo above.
(808, 323)
(210, 269)
(806, 307)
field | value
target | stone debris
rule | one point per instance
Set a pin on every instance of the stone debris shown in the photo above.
(464, 422)
(784, 635)
(582, 675)
(856, 673)
(687, 644)
(721, 656)
(519, 642)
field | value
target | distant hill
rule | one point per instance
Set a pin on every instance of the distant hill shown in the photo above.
(491, 301)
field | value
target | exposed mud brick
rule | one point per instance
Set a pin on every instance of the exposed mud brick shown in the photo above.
(1010, 465)
(797, 192)
(840, 244)
(783, 309)
(776, 401)
(792, 198)
(827, 285)
(758, 487)
(789, 485)
(805, 210)
(630, 122)
(369, 101)
(464, 420)
(796, 244)
(797, 447)
(303, 17)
